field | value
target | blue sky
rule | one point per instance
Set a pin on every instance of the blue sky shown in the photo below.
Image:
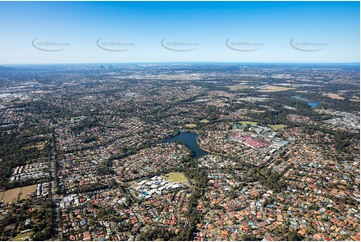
(257, 32)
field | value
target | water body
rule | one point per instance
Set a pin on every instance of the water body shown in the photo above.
(190, 140)
(311, 104)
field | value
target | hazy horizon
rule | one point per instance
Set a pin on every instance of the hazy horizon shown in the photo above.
(156, 32)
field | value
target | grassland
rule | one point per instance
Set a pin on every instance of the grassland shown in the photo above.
(238, 87)
(269, 88)
(22, 237)
(27, 190)
(333, 96)
(302, 91)
(38, 146)
(176, 177)
(77, 119)
(248, 123)
(257, 111)
(204, 121)
(11, 195)
(355, 99)
(278, 127)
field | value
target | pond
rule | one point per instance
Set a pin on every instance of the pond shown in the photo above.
(190, 140)
(311, 104)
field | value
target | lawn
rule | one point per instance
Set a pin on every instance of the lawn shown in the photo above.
(176, 177)
(278, 126)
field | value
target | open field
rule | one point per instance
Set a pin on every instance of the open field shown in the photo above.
(1, 195)
(22, 236)
(27, 190)
(333, 96)
(175, 177)
(204, 121)
(11, 195)
(248, 122)
(191, 125)
(77, 119)
(257, 111)
(278, 126)
(38, 146)
(270, 88)
(238, 87)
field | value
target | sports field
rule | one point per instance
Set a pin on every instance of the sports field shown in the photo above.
(278, 126)
(12, 195)
(248, 123)
(25, 191)
(175, 177)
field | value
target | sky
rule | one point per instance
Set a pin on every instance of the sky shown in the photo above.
(120, 32)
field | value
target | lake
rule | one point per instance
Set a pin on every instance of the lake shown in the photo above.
(190, 140)
(311, 104)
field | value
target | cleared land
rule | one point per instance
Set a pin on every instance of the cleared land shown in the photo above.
(191, 125)
(175, 177)
(270, 88)
(278, 126)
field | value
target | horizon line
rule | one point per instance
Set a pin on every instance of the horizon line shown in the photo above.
(176, 62)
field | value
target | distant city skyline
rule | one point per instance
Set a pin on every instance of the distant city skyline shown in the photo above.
(126, 32)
